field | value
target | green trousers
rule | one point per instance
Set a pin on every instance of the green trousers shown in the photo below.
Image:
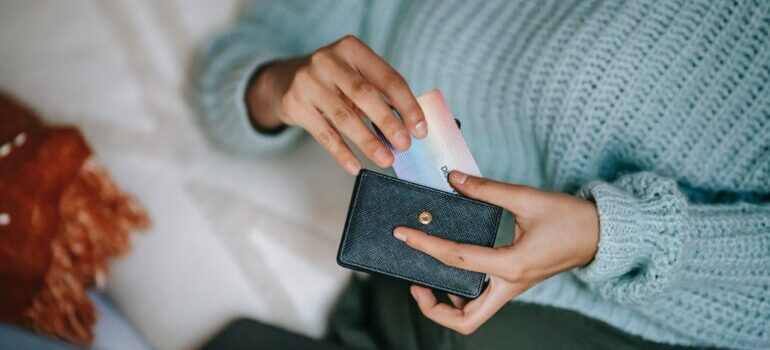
(379, 313)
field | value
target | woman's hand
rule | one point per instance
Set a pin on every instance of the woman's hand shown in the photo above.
(329, 92)
(554, 232)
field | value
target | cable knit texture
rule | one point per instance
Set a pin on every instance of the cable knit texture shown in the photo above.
(659, 111)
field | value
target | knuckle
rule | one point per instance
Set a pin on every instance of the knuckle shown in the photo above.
(361, 88)
(466, 328)
(288, 103)
(347, 41)
(328, 139)
(395, 81)
(453, 255)
(302, 76)
(342, 115)
(370, 144)
(388, 123)
(414, 111)
(482, 187)
(477, 185)
(320, 56)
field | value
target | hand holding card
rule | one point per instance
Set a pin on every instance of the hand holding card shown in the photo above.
(420, 199)
(429, 160)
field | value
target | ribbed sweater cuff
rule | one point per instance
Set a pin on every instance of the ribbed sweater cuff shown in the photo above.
(266, 142)
(224, 92)
(640, 238)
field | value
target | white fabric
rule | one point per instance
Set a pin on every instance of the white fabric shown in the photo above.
(231, 237)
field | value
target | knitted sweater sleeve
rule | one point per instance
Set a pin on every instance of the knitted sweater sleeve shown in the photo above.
(667, 256)
(268, 31)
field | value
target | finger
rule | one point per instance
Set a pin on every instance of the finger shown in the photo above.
(366, 97)
(478, 311)
(465, 256)
(457, 301)
(462, 320)
(330, 140)
(347, 121)
(440, 313)
(376, 70)
(510, 196)
(361, 115)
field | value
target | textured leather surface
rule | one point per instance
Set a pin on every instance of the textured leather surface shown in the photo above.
(380, 203)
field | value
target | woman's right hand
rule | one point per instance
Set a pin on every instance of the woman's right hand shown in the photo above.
(329, 92)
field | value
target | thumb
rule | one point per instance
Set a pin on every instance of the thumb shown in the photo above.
(506, 195)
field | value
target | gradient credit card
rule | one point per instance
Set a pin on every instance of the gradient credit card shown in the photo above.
(429, 160)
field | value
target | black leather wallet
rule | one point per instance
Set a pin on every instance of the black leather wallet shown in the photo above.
(380, 203)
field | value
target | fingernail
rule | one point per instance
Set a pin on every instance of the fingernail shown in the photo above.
(399, 236)
(458, 177)
(402, 139)
(381, 156)
(352, 167)
(421, 129)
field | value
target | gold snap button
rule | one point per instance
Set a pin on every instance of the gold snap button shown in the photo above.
(425, 218)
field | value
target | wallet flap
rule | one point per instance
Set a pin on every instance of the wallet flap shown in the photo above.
(380, 203)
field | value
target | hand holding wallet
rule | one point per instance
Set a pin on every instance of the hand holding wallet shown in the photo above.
(380, 203)
(421, 198)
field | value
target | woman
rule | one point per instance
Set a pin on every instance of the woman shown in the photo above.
(649, 120)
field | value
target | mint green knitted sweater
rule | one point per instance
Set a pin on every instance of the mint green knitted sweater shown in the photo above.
(659, 111)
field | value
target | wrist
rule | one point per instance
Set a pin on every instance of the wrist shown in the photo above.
(592, 232)
(261, 97)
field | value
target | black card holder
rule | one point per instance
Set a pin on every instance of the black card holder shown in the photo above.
(380, 203)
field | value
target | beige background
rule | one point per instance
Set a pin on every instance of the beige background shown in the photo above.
(231, 237)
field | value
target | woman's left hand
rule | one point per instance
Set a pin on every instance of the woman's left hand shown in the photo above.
(554, 232)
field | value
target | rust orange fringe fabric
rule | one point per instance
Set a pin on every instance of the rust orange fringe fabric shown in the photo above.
(61, 219)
